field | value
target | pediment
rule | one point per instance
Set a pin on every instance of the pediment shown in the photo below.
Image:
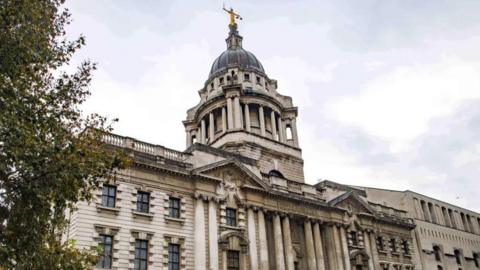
(232, 172)
(351, 202)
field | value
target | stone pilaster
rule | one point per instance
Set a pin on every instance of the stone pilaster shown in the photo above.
(262, 235)
(203, 132)
(224, 119)
(294, 132)
(200, 242)
(281, 130)
(189, 138)
(252, 239)
(213, 234)
(338, 248)
(229, 113)
(279, 253)
(317, 237)
(247, 118)
(311, 260)
(211, 127)
(346, 254)
(237, 112)
(375, 258)
(262, 120)
(368, 249)
(274, 125)
(331, 252)
(287, 244)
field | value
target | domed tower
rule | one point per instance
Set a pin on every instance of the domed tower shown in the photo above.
(241, 111)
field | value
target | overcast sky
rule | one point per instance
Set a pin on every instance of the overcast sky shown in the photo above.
(388, 91)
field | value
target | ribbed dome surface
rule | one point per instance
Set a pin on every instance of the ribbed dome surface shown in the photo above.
(236, 57)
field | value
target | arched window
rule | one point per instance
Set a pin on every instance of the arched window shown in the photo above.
(289, 132)
(275, 173)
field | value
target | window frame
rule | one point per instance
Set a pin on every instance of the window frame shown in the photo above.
(233, 256)
(138, 257)
(101, 263)
(109, 200)
(142, 205)
(231, 220)
(174, 211)
(174, 256)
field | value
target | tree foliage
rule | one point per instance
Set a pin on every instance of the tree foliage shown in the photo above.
(51, 155)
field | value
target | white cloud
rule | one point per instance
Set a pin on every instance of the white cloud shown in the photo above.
(399, 105)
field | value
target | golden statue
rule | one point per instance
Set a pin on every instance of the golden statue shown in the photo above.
(233, 15)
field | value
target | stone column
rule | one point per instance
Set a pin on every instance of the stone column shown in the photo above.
(318, 246)
(330, 242)
(224, 260)
(252, 240)
(230, 113)
(346, 254)
(375, 259)
(311, 260)
(294, 132)
(203, 131)
(189, 138)
(287, 244)
(224, 119)
(237, 112)
(281, 130)
(368, 249)
(262, 120)
(274, 126)
(213, 234)
(200, 243)
(211, 127)
(262, 235)
(338, 248)
(247, 118)
(279, 253)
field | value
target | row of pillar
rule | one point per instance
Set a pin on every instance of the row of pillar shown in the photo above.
(232, 118)
(337, 256)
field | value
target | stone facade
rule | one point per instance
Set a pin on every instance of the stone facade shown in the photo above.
(447, 236)
(236, 197)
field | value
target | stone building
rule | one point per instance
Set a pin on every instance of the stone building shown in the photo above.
(236, 197)
(447, 236)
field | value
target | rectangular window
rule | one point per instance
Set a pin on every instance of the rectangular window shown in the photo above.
(458, 257)
(436, 252)
(393, 246)
(143, 202)
(405, 248)
(233, 260)
(246, 77)
(174, 207)
(259, 80)
(353, 238)
(220, 80)
(173, 257)
(231, 217)
(105, 254)
(141, 255)
(109, 194)
(380, 244)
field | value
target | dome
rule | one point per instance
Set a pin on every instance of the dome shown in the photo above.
(236, 57)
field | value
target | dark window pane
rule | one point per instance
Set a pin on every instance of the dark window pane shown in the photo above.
(143, 202)
(231, 217)
(105, 256)
(173, 257)
(141, 254)
(109, 194)
(233, 260)
(174, 207)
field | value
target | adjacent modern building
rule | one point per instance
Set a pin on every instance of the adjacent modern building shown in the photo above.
(446, 236)
(236, 197)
